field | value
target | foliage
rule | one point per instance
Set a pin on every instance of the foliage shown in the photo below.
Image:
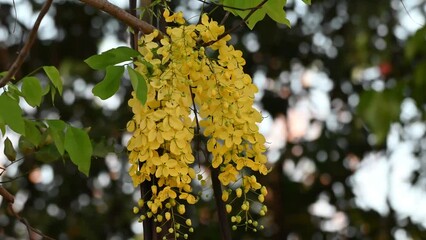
(48, 140)
(168, 86)
(40, 133)
(377, 117)
(273, 8)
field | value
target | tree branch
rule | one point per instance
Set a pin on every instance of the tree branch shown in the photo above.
(10, 200)
(242, 22)
(123, 16)
(226, 6)
(103, 5)
(26, 49)
(225, 230)
(145, 187)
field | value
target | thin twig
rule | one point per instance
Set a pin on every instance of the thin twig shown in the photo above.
(13, 179)
(11, 199)
(16, 16)
(133, 35)
(242, 22)
(197, 128)
(123, 16)
(6, 195)
(26, 49)
(409, 15)
(3, 169)
(226, 6)
(224, 18)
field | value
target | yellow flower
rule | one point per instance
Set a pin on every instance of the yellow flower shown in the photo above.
(228, 208)
(250, 182)
(188, 197)
(188, 222)
(229, 174)
(181, 209)
(234, 137)
(165, 166)
(176, 17)
(166, 193)
(166, 15)
(225, 195)
(178, 72)
(167, 215)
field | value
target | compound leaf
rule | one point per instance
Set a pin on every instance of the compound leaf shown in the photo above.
(9, 150)
(79, 148)
(110, 84)
(11, 114)
(139, 85)
(111, 57)
(32, 91)
(54, 76)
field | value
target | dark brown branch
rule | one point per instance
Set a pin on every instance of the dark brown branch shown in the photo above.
(133, 35)
(197, 128)
(123, 16)
(224, 18)
(148, 223)
(225, 230)
(26, 49)
(10, 200)
(145, 187)
(242, 22)
(7, 195)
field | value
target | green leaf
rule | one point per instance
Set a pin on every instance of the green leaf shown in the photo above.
(418, 85)
(102, 148)
(32, 133)
(415, 44)
(111, 57)
(2, 127)
(9, 150)
(273, 8)
(79, 148)
(139, 85)
(11, 114)
(32, 91)
(57, 132)
(148, 66)
(54, 76)
(110, 84)
(53, 94)
(25, 146)
(47, 154)
(307, 2)
(379, 110)
(46, 90)
(14, 91)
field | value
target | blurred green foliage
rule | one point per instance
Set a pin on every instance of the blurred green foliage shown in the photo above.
(73, 206)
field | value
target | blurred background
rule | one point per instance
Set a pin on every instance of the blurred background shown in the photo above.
(343, 93)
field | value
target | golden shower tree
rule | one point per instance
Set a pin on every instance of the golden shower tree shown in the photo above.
(192, 105)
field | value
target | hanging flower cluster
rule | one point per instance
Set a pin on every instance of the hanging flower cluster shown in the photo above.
(186, 78)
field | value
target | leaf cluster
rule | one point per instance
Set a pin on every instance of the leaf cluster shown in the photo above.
(48, 140)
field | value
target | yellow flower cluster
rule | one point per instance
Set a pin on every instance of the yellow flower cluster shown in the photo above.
(183, 75)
